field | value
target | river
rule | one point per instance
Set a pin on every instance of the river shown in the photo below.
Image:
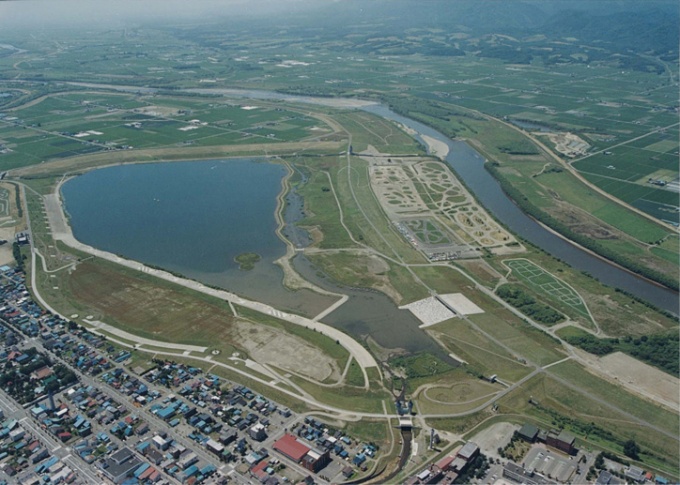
(469, 166)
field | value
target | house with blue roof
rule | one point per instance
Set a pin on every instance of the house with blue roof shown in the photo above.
(142, 468)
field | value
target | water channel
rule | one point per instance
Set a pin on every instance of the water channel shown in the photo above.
(372, 313)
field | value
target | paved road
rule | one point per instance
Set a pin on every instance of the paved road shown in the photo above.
(14, 411)
(143, 413)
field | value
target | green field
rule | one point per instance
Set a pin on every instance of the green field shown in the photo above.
(595, 425)
(63, 126)
(427, 231)
(662, 204)
(544, 282)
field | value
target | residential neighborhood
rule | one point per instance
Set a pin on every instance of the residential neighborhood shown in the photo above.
(74, 413)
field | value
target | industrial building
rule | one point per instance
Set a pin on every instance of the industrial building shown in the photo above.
(291, 448)
(563, 441)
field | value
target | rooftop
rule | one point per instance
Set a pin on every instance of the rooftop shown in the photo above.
(566, 437)
(528, 431)
(291, 447)
(468, 450)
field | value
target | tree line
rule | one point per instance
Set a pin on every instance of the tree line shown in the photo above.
(661, 350)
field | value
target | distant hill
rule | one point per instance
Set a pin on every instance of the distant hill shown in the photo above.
(653, 30)
(516, 31)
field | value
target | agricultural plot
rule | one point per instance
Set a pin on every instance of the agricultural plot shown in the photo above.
(61, 126)
(606, 109)
(36, 148)
(662, 204)
(628, 163)
(643, 173)
(548, 284)
(105, 100)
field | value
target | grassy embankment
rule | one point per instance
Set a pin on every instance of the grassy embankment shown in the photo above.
(361, 212)
(549, 404)
(146, 306)
(616, 313)
(538, 283)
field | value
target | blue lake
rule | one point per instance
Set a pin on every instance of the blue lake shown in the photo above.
(191, 218)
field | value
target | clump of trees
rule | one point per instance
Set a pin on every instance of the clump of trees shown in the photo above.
(515, 449)
(18, 256)
(631, 450)
(661, 350)
(477, 469)
(528, 305)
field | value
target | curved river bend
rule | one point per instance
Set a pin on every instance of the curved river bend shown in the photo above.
(469, 166)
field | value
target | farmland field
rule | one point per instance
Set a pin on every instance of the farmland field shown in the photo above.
(62, 126)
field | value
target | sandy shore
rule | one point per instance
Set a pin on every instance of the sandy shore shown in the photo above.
(436, 147)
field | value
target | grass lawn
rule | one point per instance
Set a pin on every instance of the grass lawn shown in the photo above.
(444, 279)
(616, 313)
(482, 355)
(354, 375)
(345, 397)
(321, 210)
(455, 393)
(595, 386)
(544, 285)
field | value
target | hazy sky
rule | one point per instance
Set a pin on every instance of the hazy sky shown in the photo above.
(120, 13)
(114, 14)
